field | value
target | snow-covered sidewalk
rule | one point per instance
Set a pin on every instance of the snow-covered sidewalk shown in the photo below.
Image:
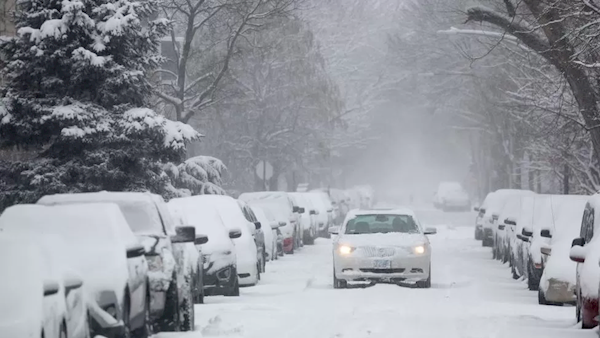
(471, 296)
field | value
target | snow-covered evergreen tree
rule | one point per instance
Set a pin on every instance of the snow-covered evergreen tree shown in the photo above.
(75, 95)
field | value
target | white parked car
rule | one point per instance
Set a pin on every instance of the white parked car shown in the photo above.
(38, 300)
(325, 217)
(218, 250)
(493, 205)
(248, 268)
(281, 205)
(148, 216)
(104, 252)
(382, 246)
(269, 226)
(558, 282)
(308, 219)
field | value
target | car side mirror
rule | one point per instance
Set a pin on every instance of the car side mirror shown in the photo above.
(257, 225)
(74, 282)
(546, 250)
(495, 217)
(134, 251)
(523, 238)
(301, 211)
(546, 233)
(282, 223)
(296, 209)
(201, 239)
(577, 254)
(475, 208)
(578, 242)
(334, 230)
(236, 233)
(430, 231)
(526, 232)
(51, 287)
(501, 226)
(275, 225)
(510, 221)
(184, 234)
(313, 212)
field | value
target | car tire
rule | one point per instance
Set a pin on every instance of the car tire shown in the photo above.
(170, 320)
(257, 272)
(234, 291)
(186, 311)
(199, 284)
(125, 316)
(146, 331)
(533, 281)
(487, 242)
(513, 268)
(339, 283)
(425, 284)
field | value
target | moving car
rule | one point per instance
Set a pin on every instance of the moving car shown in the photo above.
(382, 246)
(37, 299)
(248, 268)
(558, 282)
(149, 219)
(101, 249)
(451, 196)
(585, 251)
(218, 250)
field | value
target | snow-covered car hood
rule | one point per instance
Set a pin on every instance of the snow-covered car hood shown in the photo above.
(382, 240)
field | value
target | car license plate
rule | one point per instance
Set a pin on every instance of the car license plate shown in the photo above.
(382, 264)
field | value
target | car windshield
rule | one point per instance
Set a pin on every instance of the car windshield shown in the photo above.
(372, 224)
(142, 216)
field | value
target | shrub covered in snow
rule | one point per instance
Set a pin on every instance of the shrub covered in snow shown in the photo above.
(199, 175)
(76, 87)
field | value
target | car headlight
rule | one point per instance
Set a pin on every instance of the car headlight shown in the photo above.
(345, 249)
(419, 249)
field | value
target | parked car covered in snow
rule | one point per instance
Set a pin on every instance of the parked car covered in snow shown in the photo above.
(479, 219)
(256, 229)
(322, 203)
(37, 300)
(558, 281)
(269, 226)
(281, 205)
(506, 227)
(382, 246)
(493, 206)
(308, 219)
(103, 251)
(248, 269)
(451, 196)
(218, 250)
(149, 219)
(585, 251)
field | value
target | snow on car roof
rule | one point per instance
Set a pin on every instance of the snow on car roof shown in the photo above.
(391, 211)
(139, 208)
(263, 195)
(206, 219)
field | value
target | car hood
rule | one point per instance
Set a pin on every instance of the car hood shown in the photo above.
(383, 240)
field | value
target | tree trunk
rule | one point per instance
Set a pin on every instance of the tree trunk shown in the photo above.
(566, 179)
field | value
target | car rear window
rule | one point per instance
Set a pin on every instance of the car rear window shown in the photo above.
(371, 224)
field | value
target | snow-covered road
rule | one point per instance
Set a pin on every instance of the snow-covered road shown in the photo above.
(472, 296)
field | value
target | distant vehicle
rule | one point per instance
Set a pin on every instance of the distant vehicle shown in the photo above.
(585, 251)
(255, 227)
(308, 219)
(269, 227)
(387, 246)
(248, 265)
(149, 219)
(558, 282)
(38, 300)
(451, 196)
(280, 204)
(218, 250)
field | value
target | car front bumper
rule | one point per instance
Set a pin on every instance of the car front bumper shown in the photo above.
(409, 269)
(560, 292)
(218, 282)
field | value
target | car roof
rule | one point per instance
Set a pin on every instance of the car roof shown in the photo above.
(101, 196)
(384, 211)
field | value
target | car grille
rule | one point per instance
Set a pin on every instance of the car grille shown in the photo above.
(371, 251)
(383, 270)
